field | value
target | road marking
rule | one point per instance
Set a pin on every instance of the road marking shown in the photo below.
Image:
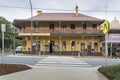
(62, 61)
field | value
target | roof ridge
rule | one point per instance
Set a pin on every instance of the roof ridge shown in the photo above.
(64, 16)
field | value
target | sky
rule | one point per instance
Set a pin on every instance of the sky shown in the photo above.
(20, 9)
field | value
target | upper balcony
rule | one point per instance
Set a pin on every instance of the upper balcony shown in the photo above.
(57, 31)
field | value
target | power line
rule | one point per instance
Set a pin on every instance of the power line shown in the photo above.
(58, 9)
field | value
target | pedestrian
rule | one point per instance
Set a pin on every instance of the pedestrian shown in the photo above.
(114, 53)
(108, 51)
(51, 48)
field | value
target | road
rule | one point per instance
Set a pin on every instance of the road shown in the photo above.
(35, 60)
(20, 60)
(100, 61)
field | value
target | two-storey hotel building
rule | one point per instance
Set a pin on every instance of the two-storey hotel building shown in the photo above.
(60, 33)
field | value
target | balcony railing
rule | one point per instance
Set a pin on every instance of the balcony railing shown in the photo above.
(56, 30)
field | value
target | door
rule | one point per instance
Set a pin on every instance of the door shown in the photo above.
(36, 47)
(89, 49)
(51, 48)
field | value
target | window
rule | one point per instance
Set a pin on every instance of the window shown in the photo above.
(72, 27)
(64, 45)
(82, 46)
(84, 27)
(46, 47)
(63, 26)
(95, 47)
(38, 44)
(51, 28)
(36, 26)
(57, 47)
(24, 43)
(23, 28)
(89, 43)
(72, 45)
(94, 27)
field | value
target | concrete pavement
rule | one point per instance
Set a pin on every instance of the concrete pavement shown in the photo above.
(53, 72)
(56, 73)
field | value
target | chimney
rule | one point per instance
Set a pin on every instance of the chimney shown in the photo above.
(39, 12)
(76, 10)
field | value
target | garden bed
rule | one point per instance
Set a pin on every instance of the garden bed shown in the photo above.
(11, 68)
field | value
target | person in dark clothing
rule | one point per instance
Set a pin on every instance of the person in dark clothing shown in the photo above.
(114, 53)
(108, 51)
(51, 48)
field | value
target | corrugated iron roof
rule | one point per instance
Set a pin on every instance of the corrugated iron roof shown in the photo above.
(61, 17)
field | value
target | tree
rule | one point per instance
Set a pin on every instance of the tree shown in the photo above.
(8, 37)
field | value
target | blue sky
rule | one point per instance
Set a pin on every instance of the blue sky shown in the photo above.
(20, 9)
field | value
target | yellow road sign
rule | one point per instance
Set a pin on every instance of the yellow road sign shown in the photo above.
(105, 27)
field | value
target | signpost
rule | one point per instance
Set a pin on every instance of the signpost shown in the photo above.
(105, 28)
(3, 29)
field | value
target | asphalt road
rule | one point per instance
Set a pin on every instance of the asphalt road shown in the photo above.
(20, 60)
(101, 61)
(34, 60)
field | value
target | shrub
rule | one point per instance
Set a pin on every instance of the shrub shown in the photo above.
(112, 72)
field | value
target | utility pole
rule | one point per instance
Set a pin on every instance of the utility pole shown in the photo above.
(31, 8)
(3, 29)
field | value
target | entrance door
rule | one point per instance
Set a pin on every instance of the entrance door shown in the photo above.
(33, 49)
(36, 47)
(89, 49)
(51, 48)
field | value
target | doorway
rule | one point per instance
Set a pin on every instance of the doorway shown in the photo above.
(51, 47)
(35, 47)
(89, 48)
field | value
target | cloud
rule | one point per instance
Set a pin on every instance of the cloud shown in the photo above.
(59, 6)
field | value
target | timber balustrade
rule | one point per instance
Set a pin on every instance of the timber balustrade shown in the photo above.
(56, 30)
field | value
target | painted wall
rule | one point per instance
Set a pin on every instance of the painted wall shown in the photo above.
(78, 40)
(44, 40)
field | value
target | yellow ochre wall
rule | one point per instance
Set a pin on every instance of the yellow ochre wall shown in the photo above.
(78, 40)
(57, 25)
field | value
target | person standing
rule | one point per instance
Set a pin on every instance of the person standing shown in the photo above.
(51, 48)
(114, 53)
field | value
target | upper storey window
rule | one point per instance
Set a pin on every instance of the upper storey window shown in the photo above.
(94, 27)
(63, 26)
(51, 28)
(72, 27)
(36, 26)
(84, 27)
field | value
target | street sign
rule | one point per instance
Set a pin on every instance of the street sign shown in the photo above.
(3, 27)
(105, 27)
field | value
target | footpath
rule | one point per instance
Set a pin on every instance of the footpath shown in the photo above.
(58, 68)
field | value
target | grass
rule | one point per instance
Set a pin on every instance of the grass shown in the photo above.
(11, 68)
(112, 72)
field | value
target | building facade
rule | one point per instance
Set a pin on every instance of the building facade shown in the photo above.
(114, 37)
(60, 33)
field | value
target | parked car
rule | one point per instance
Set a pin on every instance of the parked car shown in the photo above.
(18, 49)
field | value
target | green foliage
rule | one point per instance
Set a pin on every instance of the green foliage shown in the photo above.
(8, 33)
(8, 37)
(112, 72)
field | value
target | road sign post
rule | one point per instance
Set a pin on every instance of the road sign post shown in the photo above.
(105, 28)
(106, 46)
(3, 29)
